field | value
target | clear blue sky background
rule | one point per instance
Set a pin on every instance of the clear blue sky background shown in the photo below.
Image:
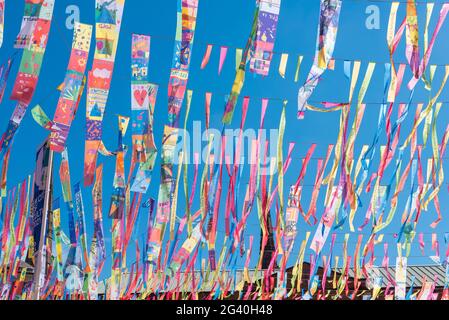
(228, 23)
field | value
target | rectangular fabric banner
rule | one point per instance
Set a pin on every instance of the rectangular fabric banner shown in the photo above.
(108, 19)
(265, 36)
(73, 83)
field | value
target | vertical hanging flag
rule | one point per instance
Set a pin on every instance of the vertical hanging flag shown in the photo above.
(97, 200)
(185, 31)
(41, 176)
(29, 21)
(142, 112)
(118, 197)
(57, 235)
(143, 176)
(30, 65)
(165, 191)
(108, 21)
(223, 53)
(327, 220)
(265, 36)
(140, 57)
(179, 75)
(73, 83)
(327, 35)
(64, 176)
(79, 205)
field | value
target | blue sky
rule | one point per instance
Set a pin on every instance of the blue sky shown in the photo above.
(228, 23)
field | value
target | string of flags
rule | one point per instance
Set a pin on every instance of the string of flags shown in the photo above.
(199, 230)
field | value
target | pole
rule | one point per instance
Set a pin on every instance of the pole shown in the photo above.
(38, 261)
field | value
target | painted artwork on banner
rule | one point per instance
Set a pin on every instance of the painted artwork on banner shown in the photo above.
(327, 36)
(265, 37)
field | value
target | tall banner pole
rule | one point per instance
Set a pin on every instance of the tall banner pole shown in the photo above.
(38, 278)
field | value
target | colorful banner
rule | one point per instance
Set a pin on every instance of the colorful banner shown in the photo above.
(165, 192)
(179, 75)
(143, 97)
(326, 38)
(97, 201)
(108, 21)
(73, 83)
(117, 206)
(143, 175)
(30, 65)
(41, 175)
(265, 36)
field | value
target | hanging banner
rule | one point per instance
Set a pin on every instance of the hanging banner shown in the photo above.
(179, 74)
(265, 37)
(327, 35)
(108, 21)
(165, 190)
(41, 175)
(30, 65)
(143, 175)
(81, 223)
(140, 56)
(118, 197)
(97, 200)
(66, 186)
(73, 83)
(29, 21)
(142, 114)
